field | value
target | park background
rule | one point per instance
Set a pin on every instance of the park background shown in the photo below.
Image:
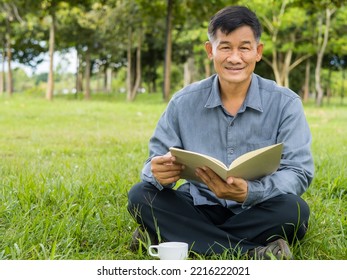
(82, 84)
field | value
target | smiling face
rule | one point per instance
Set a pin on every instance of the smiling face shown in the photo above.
(234, 56)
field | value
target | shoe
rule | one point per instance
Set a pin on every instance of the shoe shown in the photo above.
(140, 238)
(277, 249)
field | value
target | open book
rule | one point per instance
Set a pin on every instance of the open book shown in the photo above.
(249, 166)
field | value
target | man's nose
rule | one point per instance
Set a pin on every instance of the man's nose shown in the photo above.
(234, 56)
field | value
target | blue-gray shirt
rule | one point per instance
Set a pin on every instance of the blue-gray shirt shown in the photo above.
(196, 120)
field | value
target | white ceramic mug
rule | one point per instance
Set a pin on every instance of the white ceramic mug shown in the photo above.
(169, 250)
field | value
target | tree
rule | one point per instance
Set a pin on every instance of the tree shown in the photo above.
(50, 9)
(323, 37)
(89, 41)
(122, 23)
(168, 50)
(131, 19)
(321, 16)
(190, 35)
(23, 35)
(10, 12)
(2, 52)
(184, 18)
(285, 46)
(50, 81)
(148, 37)
(147, 14)
(2, 72)
(134, 89)
(338, 50)
(75, 31)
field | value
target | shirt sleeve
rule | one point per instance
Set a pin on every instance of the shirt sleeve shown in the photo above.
(296, 168)
(165, 136)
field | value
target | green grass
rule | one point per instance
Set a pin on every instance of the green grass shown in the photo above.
(66, 166)
(327, 196)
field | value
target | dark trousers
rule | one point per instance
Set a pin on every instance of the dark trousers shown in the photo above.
(213, 229)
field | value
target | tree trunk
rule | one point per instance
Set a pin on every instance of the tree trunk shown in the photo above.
(320, 55)
(286, 65)
(129, 64)
(133, 89)
(9, 83)
(2, 74)
(281, 68)
(9, 71)
(50, 81)
(79, 75)
(207, 68)
(138, 69)
(99, 82)
(275, 67)
(109, 80)
(79, 81)
(189, 71)
(87, 76)
(343, 84)
(168, 51)
(307, 82)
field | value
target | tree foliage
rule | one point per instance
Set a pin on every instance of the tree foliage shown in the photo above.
(110, 35)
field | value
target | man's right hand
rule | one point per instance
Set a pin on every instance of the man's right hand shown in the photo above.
(165, 170)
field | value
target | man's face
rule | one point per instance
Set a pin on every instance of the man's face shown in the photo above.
(234, 55)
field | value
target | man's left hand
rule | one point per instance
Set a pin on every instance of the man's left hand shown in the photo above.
(231, 189)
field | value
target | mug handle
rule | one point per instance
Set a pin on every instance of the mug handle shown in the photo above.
(153, 250)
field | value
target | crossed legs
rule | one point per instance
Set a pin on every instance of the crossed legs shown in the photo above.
(207, 229)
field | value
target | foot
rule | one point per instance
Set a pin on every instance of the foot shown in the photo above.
(277, 249)
(139, 238)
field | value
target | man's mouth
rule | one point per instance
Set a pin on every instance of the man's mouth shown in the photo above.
(233, 68)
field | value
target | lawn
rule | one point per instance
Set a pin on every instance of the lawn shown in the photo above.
(66, 166)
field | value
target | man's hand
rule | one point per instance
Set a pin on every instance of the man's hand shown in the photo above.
(165, 170)
(232, 189)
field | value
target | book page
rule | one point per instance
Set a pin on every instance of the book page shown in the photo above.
(257, 163)
(192, 161)
(250, 166)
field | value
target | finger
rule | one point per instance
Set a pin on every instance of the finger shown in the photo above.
(207, 175)
(211, 174)
(230, 180)
(168, 174)
(167, 177)
(166, 168)
(213, 181)
(168, 180)
(166, 159)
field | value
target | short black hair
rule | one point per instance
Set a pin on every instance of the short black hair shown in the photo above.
(231, 18)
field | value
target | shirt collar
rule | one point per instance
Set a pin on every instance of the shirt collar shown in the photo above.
(214, 97)
(252, 100)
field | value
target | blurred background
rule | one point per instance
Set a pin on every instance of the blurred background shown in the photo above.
(130, 47)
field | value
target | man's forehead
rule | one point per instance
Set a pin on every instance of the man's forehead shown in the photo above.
(240, 35)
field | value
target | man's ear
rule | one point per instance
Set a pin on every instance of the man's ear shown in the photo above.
(260, 48)
(209, 49)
